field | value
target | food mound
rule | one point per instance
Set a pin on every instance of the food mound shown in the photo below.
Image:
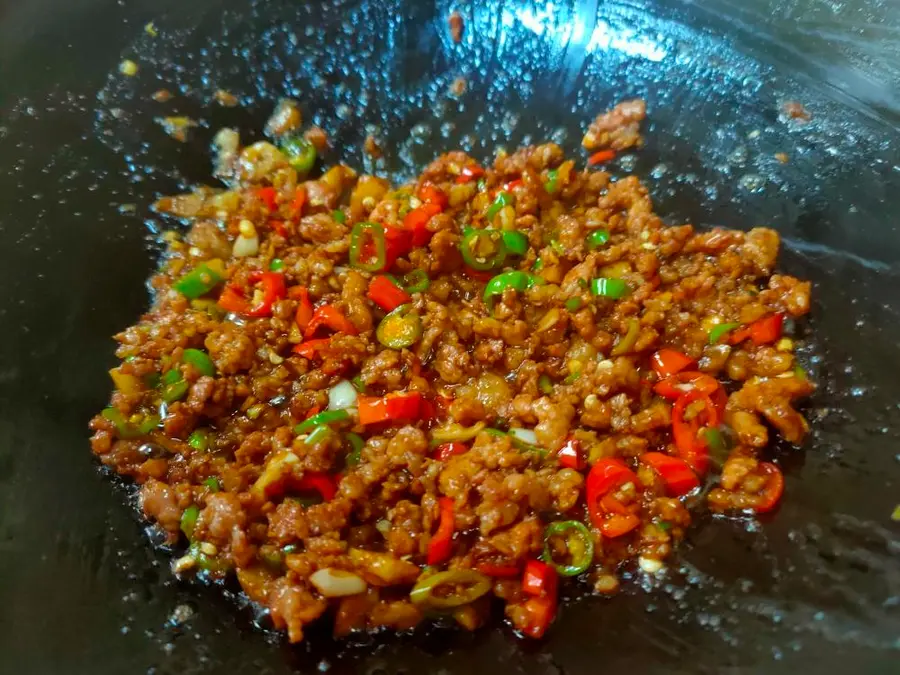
(389, 403)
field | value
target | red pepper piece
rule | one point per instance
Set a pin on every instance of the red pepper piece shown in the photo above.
(771, 494)
(686, 381)
(269, 196)
(304, 307)
(677, 475)
(498, 570)
(273, 289)
(478, 275)
(279, 227)
(445, 451)
(322, 483)
(386, 294)
(539, 579)
(469, 173)
(767, 330)
(513, 184)
(601, 156)
(540, 614)
(570, 455)
(433, 195)
(298, 202)
(331, 317)
(311, 348)
(232, 300)
(397, 243)
(441, 544)
(416, 221)
(691, 448)
(667, 362)
(608, 513)
(392, 407)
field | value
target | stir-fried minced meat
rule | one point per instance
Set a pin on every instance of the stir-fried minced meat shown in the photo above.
(380, 403)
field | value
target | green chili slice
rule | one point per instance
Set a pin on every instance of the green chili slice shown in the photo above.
(519, 281)
(324, 417)
(175, 391)
(718, 332)
(189, 520)
(502, 199)
(301, 154)
(572, 378)
(199, 439)
(358, 254)
(317, 435)
(172, 376)
(596, 239)
(339, 216)
(276, 265)
(545, 384)
(126, 429)
(557, 247)
(213, 484)
(208, 563)
(573, 304)
(515, 242)
(483, 249)
(200, 360)
(452, 588)
(627, 341)
(200, 280)
(416, 281)
(401, 328)
(579, 544)
(552, 184)
(609, 288)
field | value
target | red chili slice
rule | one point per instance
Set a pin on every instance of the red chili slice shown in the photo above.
(441, 544)
(607, 513)
(675, 472)
(666, 362)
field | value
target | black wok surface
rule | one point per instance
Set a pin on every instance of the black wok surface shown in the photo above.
(815, 586)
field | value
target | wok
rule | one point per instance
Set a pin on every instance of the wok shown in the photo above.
(816, 585)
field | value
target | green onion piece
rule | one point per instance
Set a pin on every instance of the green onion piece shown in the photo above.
(301, 154)
(572, 378)
(317, 435)
(272, 558)
(456, 432)
(401, 328)
(175, 392)
(324, 417)
(339, 216)
(525, 446)
(200, 280)
(719, 331)
(552, 184)
(358, 254)
(358, 384)
(624, 345)
(609, 288)
(199, 439)
(200, 360)
(573, 304)
(664, 525)
(458, 587)
(596, 239)
(579, 543)
(557, 247)
(519, 281)
(416, 281)
(276, 265)
(545, 384)
(482, 249)
(356, 445)
(538, 265)
(189, 520)
(502, 199)
(515, 242)
(213, 484)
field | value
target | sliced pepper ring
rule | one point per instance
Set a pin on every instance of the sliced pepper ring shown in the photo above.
(607, 513)
(576, 534)
(401, 328)
(442, 589)
(483, 249)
